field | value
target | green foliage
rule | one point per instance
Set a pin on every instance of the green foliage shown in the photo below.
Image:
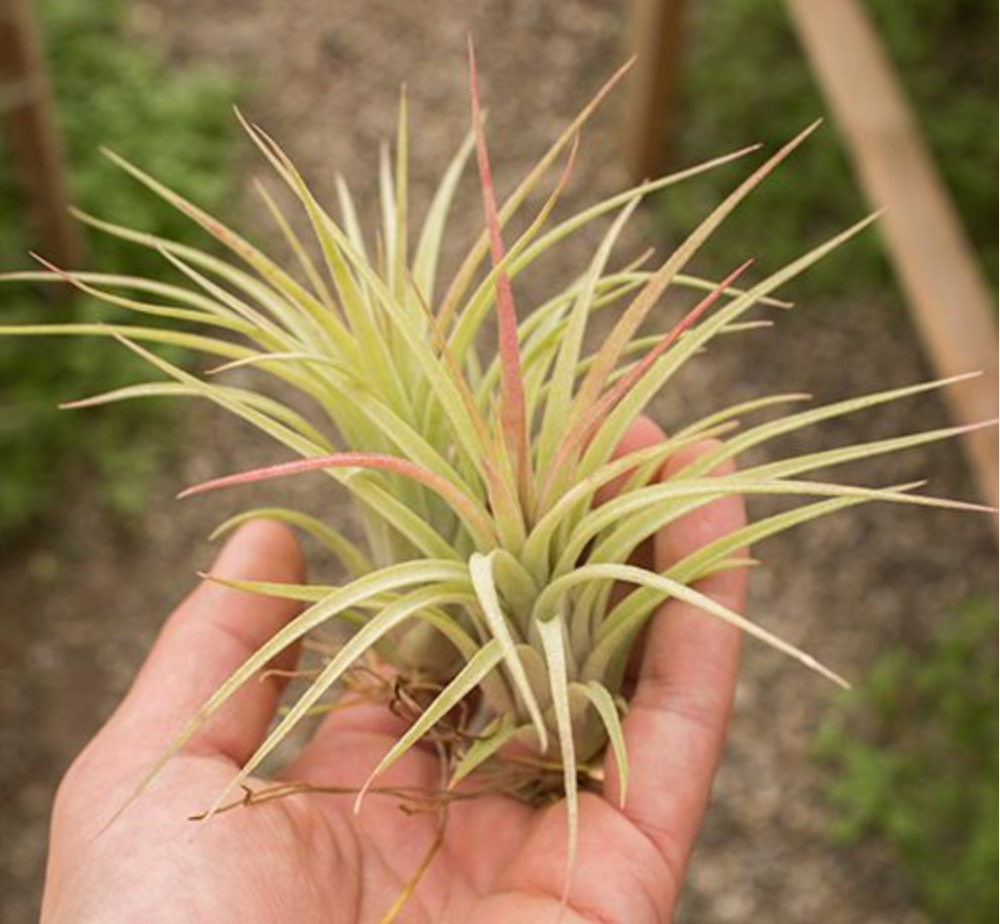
(916, 755)
(745, 77)
(108, 90)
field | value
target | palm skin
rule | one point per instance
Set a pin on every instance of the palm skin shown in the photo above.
(308, 858)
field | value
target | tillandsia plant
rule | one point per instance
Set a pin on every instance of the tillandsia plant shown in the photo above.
(487, 584)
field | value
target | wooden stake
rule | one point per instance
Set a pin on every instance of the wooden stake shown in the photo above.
(34, 143)
(656, 28)
(948, 297)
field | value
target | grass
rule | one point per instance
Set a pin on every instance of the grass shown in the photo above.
(108, 90)
(915, 756)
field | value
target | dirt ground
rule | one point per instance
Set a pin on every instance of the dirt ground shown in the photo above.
(83, 599)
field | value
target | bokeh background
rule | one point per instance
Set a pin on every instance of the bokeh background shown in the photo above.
(878, 806)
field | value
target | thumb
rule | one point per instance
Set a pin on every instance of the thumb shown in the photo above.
(207, 638)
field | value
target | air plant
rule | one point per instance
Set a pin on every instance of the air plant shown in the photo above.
(487, 574)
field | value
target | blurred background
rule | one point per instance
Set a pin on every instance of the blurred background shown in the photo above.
(877, 806)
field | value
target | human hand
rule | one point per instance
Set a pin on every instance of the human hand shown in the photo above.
(307, 858)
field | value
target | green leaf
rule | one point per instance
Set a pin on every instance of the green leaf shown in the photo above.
(637, 311)
(428, 250)
(311, 593)
(481, 575)
(467, 271)
(269, 271)
(560, 393)
(341, 599)
(613, 635)
(642, 512)
(412, 605)
(788, 424)
(501, 730)
(552, 635)
(267, 407)
(607, 709)
(353, 559)
(611, 432)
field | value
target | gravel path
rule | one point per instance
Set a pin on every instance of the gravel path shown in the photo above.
(82, 602)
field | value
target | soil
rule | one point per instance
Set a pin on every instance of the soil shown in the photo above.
(84, 597)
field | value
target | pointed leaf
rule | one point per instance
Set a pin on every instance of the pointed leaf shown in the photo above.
(551, 633)
(607, 709)
(481, 574)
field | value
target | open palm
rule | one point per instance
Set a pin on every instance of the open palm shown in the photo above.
(308, 858)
